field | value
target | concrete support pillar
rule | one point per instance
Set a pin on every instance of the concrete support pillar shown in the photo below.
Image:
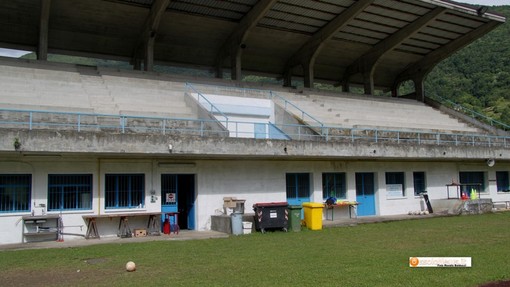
(219, 70)
(368, 83)
(235, 63)
(42, 49)
(149, 54)
(419, 87)
(346, 86)
(308, 74)
(394, 91)
(287, 78)
(137, 64)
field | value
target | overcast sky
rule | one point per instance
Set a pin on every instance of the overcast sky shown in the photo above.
(486, 2)
(11, 53)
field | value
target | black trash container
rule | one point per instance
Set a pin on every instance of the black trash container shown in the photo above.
(271, 215)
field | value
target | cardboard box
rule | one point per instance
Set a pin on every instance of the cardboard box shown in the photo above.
(229, 202)
(140, 232)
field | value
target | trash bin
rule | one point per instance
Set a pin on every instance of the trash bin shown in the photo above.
(271, 215)
(295, 217)
(237, 223)
(247, 227)
(313, 215)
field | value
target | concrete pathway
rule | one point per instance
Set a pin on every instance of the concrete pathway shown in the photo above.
(195, 235)
(183, 235)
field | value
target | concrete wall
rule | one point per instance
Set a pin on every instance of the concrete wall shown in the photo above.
(253, 180)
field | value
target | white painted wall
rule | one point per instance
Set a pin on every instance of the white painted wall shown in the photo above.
(253, 180)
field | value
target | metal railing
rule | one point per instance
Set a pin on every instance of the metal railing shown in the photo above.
(125, 124)
(211, 108)
(304, 116)
(471, 113)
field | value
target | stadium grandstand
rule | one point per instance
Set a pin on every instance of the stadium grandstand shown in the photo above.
(82, 145)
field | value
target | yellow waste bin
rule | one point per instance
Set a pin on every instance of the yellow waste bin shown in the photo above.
(313, 215)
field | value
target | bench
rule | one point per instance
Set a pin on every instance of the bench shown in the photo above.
(124, 230)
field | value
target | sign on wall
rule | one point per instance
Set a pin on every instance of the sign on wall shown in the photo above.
(394, 191)
(170, 198)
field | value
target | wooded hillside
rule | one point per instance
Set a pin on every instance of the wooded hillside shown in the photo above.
(478, 76)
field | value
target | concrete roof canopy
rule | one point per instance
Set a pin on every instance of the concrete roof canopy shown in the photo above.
(369, 43)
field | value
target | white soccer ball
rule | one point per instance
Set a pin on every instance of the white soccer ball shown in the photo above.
(130, 266)
(426, 212)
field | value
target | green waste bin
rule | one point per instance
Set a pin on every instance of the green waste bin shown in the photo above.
(295, 217)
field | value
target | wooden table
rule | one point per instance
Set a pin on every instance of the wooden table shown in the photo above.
(124, 230)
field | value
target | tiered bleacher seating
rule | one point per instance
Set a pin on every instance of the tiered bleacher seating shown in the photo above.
(361, 111)
(46, 86)
(34, 85)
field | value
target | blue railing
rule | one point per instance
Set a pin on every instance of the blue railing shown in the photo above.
(471, 113)
(211, 107)
(304, 116)
(252, 92)
(89, 122)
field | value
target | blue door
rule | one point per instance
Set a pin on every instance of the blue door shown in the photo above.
(178, 195)
(365, 194)
(298, 189)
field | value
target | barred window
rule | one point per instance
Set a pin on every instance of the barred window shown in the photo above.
(69, 191)
(473, 180)
(502, 181)
(15, 192)
(298, 185)
(420, 184)
(334, 185)
(124, 190)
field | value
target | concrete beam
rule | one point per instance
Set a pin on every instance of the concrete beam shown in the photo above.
(234, 44)
(366, 64)
(147, 38)
(427, 63)
(308, 52)
(42, 49)
(69, 143)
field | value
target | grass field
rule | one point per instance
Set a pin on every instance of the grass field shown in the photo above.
(364, 255)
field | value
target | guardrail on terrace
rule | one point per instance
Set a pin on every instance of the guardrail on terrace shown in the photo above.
(287, 105)
(212, 108)
(125, 124)
(471, 113)
(251, 92)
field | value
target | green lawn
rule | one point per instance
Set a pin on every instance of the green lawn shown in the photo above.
(365, 255)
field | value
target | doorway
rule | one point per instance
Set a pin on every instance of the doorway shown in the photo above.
(365, 193)
(178, 195)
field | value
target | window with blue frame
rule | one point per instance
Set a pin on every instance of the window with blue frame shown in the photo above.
(334, 185)
(502, 181)
(15, 192)
(124, 190)
(420, 184)
(69, 192)
(298, 185)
